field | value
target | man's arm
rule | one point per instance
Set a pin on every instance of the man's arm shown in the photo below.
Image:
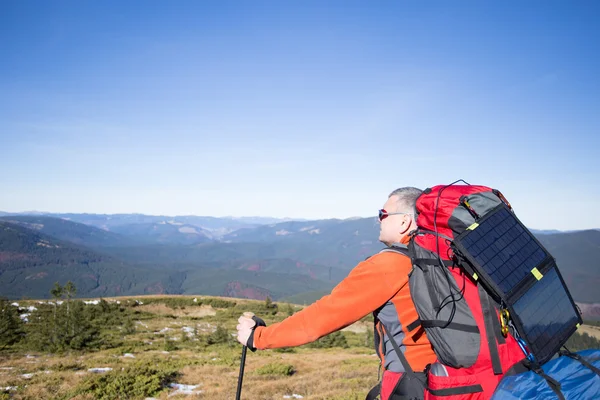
(368, 286)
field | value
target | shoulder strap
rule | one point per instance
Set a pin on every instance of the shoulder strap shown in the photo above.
(489, 314)
(403, 360)
(397, 248)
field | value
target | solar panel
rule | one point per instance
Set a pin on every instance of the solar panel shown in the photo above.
(511, 263)
(546, 315)
(503, 251)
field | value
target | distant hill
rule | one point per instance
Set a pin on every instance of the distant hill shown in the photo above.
(289, 259)
(164, 233)
(216, 226)
(578, 257)
(333, 242)
(70, 231)
(30, 263)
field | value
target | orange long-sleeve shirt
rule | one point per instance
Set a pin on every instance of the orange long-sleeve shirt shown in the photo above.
(371, 284)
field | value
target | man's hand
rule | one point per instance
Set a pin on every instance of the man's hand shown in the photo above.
(244, 328)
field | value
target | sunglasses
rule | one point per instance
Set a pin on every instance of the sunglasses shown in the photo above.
(384, 214)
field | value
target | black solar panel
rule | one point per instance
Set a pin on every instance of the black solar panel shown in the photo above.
(502, 248)
(546, 315)
(513, 265)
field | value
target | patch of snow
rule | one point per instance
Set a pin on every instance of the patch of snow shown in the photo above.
(293, 396)
(14, 304)
(24, 317)
(99, 370)
(31, 308)
(128, 355)
(94, 302)
(315, 231)
(306, 228)
(8, 388)
(184, 389)
(195, 300)
(27, 376)
(282, 232)
(165, 330)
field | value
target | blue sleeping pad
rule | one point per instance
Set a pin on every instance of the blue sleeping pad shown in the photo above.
(577, 381)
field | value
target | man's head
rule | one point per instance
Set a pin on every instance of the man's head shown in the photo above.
(398, 216)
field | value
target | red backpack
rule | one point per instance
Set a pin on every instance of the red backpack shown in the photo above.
(473, 346)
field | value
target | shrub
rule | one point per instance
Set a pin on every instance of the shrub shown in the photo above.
(220, 335)
(170, 345)
(276, 369)
(285, 350)
(335, 339)
(582, 341)
(136, 381)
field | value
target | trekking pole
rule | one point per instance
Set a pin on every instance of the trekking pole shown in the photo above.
(242, 363)
(259, 322)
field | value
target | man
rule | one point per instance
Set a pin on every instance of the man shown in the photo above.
(378, 285)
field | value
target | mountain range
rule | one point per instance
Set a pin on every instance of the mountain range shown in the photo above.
(129, 254)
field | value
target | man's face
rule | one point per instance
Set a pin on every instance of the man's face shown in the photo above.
(392, 226)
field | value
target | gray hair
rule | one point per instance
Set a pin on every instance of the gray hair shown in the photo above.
(407, 198)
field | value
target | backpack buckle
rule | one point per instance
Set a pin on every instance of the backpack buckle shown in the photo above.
(504, 317)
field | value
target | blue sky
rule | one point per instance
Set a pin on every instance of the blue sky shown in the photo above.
(304, 109)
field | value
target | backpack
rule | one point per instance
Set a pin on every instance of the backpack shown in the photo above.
(488, 294)
(477, 272)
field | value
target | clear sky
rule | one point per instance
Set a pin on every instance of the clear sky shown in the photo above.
(306, 109)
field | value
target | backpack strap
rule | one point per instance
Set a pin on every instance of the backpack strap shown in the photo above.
(403, 249)
(489, 314)
(397, 248)
(421, 230)
(553, 383)
(374, 392)
(407, 368)
(582, 360)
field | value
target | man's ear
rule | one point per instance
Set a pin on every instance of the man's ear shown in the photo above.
(406, 224)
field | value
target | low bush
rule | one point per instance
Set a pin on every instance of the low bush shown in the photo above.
(276, 369)
(134, 382)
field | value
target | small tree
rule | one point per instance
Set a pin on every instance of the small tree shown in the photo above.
(220, 335)
(56, 292)
(270, 306)
(128, 326)
(69, 290)
(369, 338)
(10, 324)
(289, 310)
